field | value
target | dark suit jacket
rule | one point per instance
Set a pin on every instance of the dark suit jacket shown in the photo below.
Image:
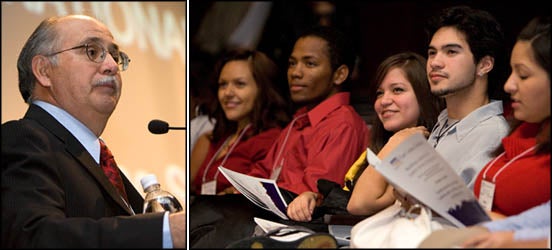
(55, 195)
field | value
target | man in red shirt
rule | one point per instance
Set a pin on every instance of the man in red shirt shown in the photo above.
(327, 134)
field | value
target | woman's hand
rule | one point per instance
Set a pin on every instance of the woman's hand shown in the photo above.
(402, 134)
(399, 137)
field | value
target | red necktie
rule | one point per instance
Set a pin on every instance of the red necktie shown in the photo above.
(107, 162)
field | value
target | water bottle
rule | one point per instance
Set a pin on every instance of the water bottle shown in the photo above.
(158, 200)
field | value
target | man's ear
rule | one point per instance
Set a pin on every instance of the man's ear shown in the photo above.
(485, 65)
(341, 74)
(41, 69)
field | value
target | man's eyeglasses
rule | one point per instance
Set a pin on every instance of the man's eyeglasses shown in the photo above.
(97, 53)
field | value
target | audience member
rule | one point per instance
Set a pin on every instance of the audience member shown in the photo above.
(403, 99)
(249, 114)
(517, 182)
(466, 54)
(54, 192)
(519, 178)
(327, 129)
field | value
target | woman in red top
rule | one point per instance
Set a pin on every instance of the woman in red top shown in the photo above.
(249, 112)
(519, 178)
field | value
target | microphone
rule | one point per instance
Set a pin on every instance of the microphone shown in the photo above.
(161, 127)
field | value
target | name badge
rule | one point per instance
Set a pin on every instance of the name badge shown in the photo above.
(486, 194)
(209, 188)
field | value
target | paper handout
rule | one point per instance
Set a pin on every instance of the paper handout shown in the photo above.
(268, 226)
(262, 192)
(417, 169)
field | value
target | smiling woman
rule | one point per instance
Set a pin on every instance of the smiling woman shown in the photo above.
(249, 113)
(153, 35)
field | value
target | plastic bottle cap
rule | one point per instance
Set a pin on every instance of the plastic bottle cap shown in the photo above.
(148, 180)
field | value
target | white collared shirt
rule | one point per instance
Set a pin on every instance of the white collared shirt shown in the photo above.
(83, 134)
(468, 145)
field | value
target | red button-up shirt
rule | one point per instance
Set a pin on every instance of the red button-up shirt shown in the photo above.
(321, 144)
(241, 159)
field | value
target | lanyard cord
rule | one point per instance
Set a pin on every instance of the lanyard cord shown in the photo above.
(441, 133)
(227, 153)
(285, 140)
(505, 165)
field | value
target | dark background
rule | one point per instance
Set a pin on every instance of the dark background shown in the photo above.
(377, 28)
